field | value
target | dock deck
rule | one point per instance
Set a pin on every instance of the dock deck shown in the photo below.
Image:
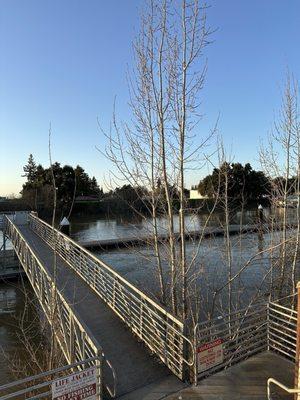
(142, 240)
(246, 380)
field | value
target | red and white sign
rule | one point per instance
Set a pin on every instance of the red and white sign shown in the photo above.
(78, 386)
(209, 355)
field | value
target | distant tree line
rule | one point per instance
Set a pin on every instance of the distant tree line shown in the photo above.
(244, 183)
(38, 190)
(75, 187)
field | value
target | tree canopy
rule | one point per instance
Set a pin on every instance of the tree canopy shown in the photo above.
(244, 183)
(69, 182)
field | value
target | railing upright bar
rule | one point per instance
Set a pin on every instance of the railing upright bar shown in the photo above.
(268, 325)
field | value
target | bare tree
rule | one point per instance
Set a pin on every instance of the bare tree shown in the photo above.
(280, 160)
(32, 331)
(164, 140)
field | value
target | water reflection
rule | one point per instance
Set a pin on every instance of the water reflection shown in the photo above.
(86, 228)
(12, 302)
(260, 241)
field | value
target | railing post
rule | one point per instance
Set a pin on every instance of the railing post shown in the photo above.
(4, 238)
(72, 339)
(185, 355)
(268, 325)
(297, 363)
(99, 365)
(195, 369)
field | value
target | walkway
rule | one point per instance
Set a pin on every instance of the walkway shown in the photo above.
(135, 367)
(246, 380)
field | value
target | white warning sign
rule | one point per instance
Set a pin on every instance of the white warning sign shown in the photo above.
(79, 386)
(209, 355)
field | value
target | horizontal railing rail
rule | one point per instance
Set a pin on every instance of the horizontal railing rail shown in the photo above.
(3, 218)
(39, 386)
(75, 339)
(157, 328)
(18, 217)
(281, 386)
(282, 330)
(282, 335)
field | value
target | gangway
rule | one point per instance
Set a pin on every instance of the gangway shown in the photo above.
(98, 308)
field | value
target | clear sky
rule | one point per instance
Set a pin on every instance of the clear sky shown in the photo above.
(64, 61)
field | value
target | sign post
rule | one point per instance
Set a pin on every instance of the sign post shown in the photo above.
(81, 385)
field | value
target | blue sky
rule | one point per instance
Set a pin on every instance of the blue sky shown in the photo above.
(64, 61)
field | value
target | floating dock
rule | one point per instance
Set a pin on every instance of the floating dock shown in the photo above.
(117, 243)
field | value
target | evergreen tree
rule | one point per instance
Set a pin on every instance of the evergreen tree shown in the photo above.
(39, 184)
(243, 182)
(30, 170)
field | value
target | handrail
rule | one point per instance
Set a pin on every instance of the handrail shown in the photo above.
(290, 310)
(43, 374)
(76, 317)
(45, 383)
(221, 318)
(155, 326)
(17, 240)
(110, 269)
(281, 385)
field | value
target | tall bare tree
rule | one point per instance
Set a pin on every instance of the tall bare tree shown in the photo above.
(280, 159)
(164, 140)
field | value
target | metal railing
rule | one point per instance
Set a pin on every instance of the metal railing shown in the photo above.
(282, 335)
(39, 386)
(16, 216)
(265, 326)
(282, 329)
(157, 328)
(3, 217)
(240, 334)
(281, 386)
(73, 336)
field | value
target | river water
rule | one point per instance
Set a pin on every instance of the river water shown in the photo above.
(138, 267)
(86, 228)
(15, 318)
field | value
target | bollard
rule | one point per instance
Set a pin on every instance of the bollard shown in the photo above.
(65, 226)
(260, 211)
